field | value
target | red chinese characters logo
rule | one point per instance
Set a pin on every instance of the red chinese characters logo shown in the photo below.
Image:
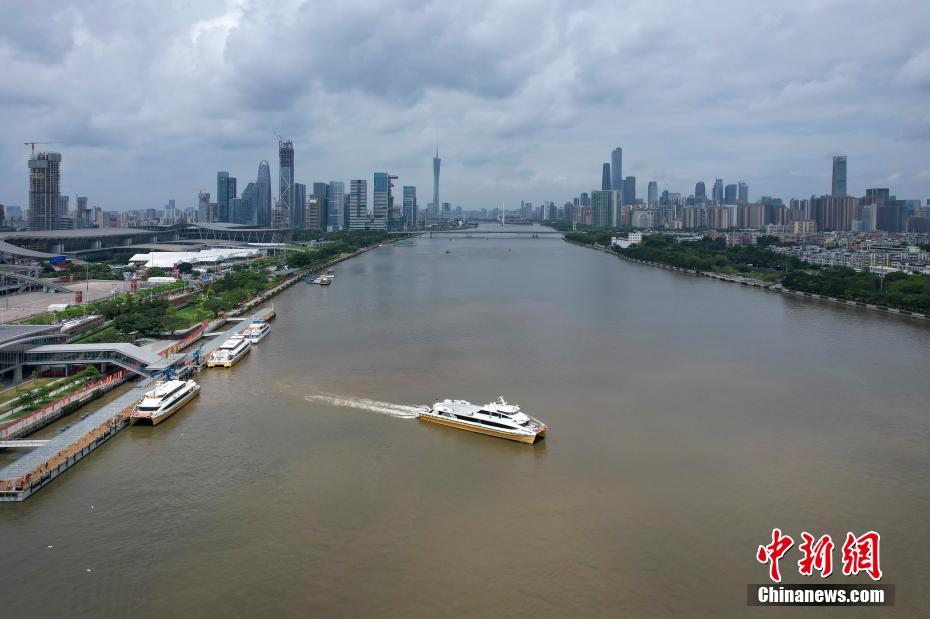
(859, 554)
(817, 555)
(773, 552)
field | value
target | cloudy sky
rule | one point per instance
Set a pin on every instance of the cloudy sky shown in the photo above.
(525, 98)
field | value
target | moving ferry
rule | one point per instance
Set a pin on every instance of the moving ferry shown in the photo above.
(257, 331)
(499, 419)
(229, 352)
(159, 403)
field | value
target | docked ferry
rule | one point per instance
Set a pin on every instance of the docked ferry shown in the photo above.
(500, 419)
(257, 331)
(229, 352)
(159, 403)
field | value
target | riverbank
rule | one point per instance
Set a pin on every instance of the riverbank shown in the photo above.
(35, 469)
(758, 283)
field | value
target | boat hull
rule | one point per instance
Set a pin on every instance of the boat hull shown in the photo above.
(452, 423)
(228, 363)
(146, 420)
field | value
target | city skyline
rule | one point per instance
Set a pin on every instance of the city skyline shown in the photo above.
(523, 117)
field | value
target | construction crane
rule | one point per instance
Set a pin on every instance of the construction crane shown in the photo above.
(33, 144)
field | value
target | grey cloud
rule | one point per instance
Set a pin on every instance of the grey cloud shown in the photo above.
(525, 98)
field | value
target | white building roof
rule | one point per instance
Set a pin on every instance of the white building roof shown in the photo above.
(170, 259)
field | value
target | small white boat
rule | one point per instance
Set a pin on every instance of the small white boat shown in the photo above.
(498, 419)
(230, 352)
(257, 331)
(162, 401)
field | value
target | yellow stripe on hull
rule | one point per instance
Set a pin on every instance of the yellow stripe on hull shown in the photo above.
(522, 438)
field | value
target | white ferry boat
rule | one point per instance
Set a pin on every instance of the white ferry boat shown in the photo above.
(257, 331)
(159, 403)
(229, 352)
(499, 419)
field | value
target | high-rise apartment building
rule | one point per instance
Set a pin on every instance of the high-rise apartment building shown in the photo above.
(44, 191)
(652, 197)
(839, 177)
(358, 204)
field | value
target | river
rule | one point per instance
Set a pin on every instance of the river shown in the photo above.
(688, 417)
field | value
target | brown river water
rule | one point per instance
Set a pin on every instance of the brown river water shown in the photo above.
(687, 417)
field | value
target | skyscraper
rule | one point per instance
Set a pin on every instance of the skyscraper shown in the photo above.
(313, 212)
(263, 202)
(358, 204)
(717, 196)
(286, 182)
(204, 214)
(381, 199)
(729, 194)
(629, 190)
(44, 190)
(700, 193)
(743, 193)
(605, 208)
(242, 210)
(335, 198)
(225, 194)
(410, 207)
(652, 198)
(605, 177)
(839, 177)
(321, 191)
(437, 162)
(616, 169)
(299, 209)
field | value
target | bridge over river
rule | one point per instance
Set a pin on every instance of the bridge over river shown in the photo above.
(482, 233)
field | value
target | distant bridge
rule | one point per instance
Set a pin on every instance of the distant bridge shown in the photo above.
(475, 232)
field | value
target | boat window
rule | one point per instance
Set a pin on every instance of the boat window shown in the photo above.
(485, 422)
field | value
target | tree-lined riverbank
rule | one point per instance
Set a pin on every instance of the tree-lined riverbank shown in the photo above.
(900, 291)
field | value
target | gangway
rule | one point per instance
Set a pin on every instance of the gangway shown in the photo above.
(22, 444)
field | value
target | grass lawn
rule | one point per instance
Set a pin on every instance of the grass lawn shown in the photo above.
(192, 314)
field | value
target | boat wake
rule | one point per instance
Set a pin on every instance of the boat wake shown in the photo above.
(401, 411)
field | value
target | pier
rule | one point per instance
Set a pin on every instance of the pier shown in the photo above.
(50, 458)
